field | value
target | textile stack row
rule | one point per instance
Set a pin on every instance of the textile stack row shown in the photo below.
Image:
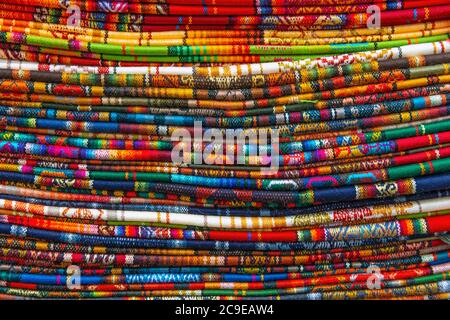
(354, 95)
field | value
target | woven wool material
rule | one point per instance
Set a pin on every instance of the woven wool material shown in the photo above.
(361, 114)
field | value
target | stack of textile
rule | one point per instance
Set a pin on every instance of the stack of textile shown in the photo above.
(353, 94)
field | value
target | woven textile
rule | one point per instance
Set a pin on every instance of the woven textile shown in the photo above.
(335, 183)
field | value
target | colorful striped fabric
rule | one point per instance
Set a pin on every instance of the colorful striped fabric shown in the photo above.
(224, 149)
